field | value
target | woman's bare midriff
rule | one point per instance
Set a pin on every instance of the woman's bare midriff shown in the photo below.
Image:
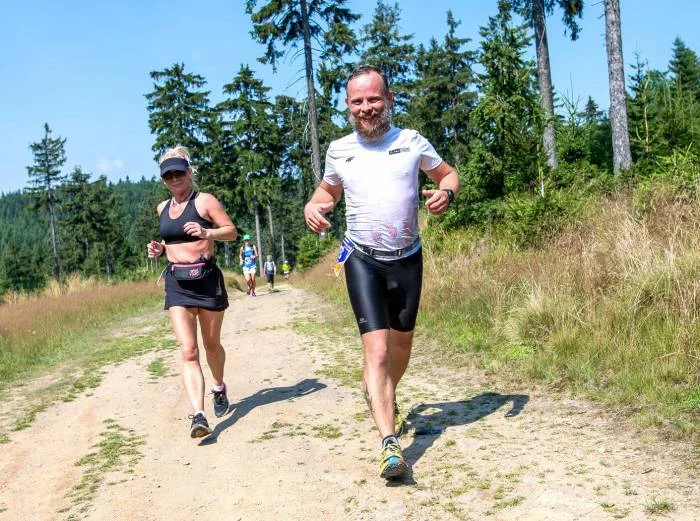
(190, 251)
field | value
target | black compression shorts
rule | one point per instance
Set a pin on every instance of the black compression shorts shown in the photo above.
(384, 294)
(206, 293)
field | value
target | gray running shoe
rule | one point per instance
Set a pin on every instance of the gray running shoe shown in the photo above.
(220, 402)
(200, 426)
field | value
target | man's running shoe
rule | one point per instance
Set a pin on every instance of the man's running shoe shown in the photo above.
(200, 426)
(220, 402)
(392, 464)
(399, 421)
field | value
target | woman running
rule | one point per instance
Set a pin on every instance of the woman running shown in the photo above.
(190, 222)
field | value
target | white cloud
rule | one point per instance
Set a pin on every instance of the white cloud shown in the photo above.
(107, 166)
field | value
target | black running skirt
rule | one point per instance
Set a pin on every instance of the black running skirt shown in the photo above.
(206, 293)
(384, 294)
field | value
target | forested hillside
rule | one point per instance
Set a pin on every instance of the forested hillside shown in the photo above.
(525, 166)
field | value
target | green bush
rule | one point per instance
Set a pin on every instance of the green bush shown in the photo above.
(676, 178)
(311, 248)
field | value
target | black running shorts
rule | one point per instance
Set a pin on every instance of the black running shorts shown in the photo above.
(384, 294)
(206, 293)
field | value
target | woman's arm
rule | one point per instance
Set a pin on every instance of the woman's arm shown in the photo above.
(213, 211)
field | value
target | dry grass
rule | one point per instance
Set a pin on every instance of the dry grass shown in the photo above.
(609, 308)
(36, 331)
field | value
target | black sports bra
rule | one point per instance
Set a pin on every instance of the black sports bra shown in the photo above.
(172, 230)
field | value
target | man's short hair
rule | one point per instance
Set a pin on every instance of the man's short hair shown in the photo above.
(366, 69)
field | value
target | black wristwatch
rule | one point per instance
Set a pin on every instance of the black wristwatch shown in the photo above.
(450, 194)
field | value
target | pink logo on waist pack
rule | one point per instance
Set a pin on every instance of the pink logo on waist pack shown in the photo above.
(194, 272)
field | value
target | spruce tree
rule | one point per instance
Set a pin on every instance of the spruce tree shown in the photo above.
(685, 69)
(444, 94)
(45, 177)
(385, 47)
(508, 118)
(76, 212)
(178, 109)
(286, 24)
(247, 115)
(645, 104)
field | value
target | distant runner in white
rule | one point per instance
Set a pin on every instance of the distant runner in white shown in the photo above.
(378, 166)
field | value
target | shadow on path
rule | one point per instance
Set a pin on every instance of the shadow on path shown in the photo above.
(263, 397)
(428, 421)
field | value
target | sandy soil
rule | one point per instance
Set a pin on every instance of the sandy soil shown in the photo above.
(297, 445)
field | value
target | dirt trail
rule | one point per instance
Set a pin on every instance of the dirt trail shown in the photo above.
(299, 446)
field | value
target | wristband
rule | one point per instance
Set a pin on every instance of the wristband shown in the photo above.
(450, 194)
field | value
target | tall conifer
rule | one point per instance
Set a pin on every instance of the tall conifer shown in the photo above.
(178, 110)
(45, 177)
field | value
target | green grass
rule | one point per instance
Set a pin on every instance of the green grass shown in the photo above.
(609, 309)
(659, 506)
(118, 450)
(327, 431)
(157, 368)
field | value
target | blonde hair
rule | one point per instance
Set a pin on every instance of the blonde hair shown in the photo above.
(181, 152)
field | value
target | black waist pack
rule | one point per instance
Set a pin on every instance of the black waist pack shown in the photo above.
(190, 271)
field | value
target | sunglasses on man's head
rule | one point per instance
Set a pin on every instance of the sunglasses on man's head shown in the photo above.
(175, 174)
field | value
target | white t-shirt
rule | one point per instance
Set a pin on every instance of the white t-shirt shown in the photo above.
(380, 180)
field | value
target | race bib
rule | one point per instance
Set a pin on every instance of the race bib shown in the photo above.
(346, 248)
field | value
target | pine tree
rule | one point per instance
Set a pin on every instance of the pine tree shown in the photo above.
(92, 241)
(23, 234)
(218, 166)
(247, 115)
(44, 179)
(444, 94)
(288, 22)
(644, 105)
(385, 47)
(178, 109)
(76, 212)
(598, 135)
(685, 69)
(508, 117)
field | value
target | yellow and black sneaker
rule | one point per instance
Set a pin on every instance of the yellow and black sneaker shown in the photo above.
(399, 421)
(392, 464)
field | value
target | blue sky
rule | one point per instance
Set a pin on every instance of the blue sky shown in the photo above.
(83, 67)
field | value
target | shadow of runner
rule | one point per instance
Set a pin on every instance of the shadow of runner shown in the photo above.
(263, 397)
(428, 427)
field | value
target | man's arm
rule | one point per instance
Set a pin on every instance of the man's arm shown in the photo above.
(322, 201)
(447, 178)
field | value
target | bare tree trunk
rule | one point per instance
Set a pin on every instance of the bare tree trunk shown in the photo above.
(311, 90)
(544, 73)
(272, 232)
(54, 245)
(622, 155)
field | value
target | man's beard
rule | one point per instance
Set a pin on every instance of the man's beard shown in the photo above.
(375, 132)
